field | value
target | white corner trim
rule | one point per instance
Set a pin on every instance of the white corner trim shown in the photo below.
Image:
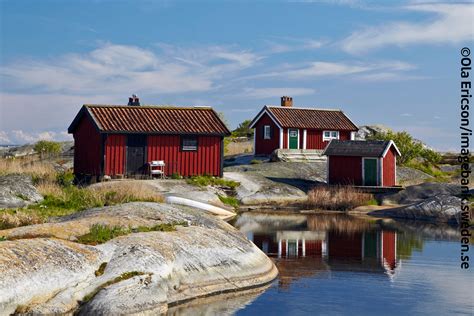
(254, 141)
(298, 145)
(390, 144)
(304, 138)
(265, 110)
(327, 170)
(352, 135)
(395, 169)
(281, 138)
(381, 171)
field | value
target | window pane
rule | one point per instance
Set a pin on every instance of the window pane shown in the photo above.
(326, 134)
(334, 134)
(267, 132)
(189, 143)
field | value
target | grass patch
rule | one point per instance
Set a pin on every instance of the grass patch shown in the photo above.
(3, 238)
(372, 202)
(99, 234)
(122, 277)
(229, 200)
(101, 269)
(339, 198)
(203, 181)
(255, 162)
(439, 175)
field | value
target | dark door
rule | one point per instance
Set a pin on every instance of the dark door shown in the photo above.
(136, 145)
(293, 135)
(370, 171)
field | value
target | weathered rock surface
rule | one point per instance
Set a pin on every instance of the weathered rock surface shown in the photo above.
(410, 176)
(17, 190)
(258, 190)
(47, 275)
(439, 208)
(417, 193)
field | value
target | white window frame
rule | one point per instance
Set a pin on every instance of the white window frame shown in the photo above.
(326, 138)
(267, 132)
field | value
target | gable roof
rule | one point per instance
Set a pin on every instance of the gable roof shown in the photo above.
(309, 118)
(360, 148)
(152, 119)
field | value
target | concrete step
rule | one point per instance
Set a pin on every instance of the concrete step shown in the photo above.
(298, 155)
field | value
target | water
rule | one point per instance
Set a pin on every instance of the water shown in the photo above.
(342, 265)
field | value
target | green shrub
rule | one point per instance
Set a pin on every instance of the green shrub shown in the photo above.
(176, 176)
(99, 234)
(409, 147)
(65, 178)
(229, 200)
(255, 162)
(209, 180)
(243, 130)
(431, 156)
(372, 202)
(47, 147)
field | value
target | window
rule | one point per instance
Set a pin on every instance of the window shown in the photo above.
(267, 132)
(328, 135)
(189, 143)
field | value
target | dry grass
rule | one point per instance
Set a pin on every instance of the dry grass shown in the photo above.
(337, 198)
(18, 218)
(29, 165)
(123, 192)
(235, 148)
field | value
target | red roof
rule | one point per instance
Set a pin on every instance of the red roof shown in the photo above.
(153, 119)
(293, 117)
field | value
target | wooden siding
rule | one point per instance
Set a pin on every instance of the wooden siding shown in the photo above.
(266, 146)
(115, 146)
(389, 177)
(344, 246)
(345, 170)
(87, 148)
(206, 160)
(389, 245)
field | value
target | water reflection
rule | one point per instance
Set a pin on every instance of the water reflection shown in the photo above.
(322, 243)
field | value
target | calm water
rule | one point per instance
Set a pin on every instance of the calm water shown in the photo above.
(341, 265)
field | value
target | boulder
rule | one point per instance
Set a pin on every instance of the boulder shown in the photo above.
(17, 190)
(144, 272)
(439, 208)
(420, 192)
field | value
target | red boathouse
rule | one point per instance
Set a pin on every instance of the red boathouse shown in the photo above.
(117, 140)
(288, 127)
(368, 163)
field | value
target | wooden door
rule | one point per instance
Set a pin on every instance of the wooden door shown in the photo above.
(136, 145)
(370, 171)
(293, 137)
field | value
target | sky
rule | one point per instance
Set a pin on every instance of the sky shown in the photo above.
(394, 63)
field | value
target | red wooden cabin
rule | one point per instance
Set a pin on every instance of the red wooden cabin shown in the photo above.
(288, 127)
(368, 163)
(116, 140)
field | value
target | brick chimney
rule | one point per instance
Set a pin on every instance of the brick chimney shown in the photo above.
(286, 101)
(134, 100)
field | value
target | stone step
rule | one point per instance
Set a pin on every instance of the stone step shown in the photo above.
(297, 155)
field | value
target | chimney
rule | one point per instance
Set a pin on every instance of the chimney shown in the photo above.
(286, 101)
(134, 100)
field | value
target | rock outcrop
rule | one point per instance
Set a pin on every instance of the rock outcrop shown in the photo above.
(439, 208)
(420, 192)
(17, 190)
(144, 272)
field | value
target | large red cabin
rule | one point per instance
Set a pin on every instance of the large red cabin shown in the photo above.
(368, 163)
(118, 141)
(288, 127)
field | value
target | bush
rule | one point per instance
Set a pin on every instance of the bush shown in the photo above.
(65, 178)
(243, 130)
(431, 156)
(47, 147)
(337, 198)
(203, 181)
(409, 147)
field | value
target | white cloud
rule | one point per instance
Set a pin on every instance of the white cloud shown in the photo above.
(263, 93)
(119, 69)
(453, 23)
(289, 44)
(22, 137)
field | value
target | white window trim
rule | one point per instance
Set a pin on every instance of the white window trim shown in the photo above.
(288, 138)
(330, 137)
(265, 129)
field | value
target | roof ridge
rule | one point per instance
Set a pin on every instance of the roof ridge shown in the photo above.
(303, 108)
(151, 106)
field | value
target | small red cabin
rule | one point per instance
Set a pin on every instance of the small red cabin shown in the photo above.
(368, 163)
(288, 127)
(117, 140)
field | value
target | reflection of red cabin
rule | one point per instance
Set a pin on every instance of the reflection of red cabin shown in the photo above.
(369, 163)
(288, 127)
(120, 140)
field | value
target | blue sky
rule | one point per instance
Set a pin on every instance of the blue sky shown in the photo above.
(390, 63)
